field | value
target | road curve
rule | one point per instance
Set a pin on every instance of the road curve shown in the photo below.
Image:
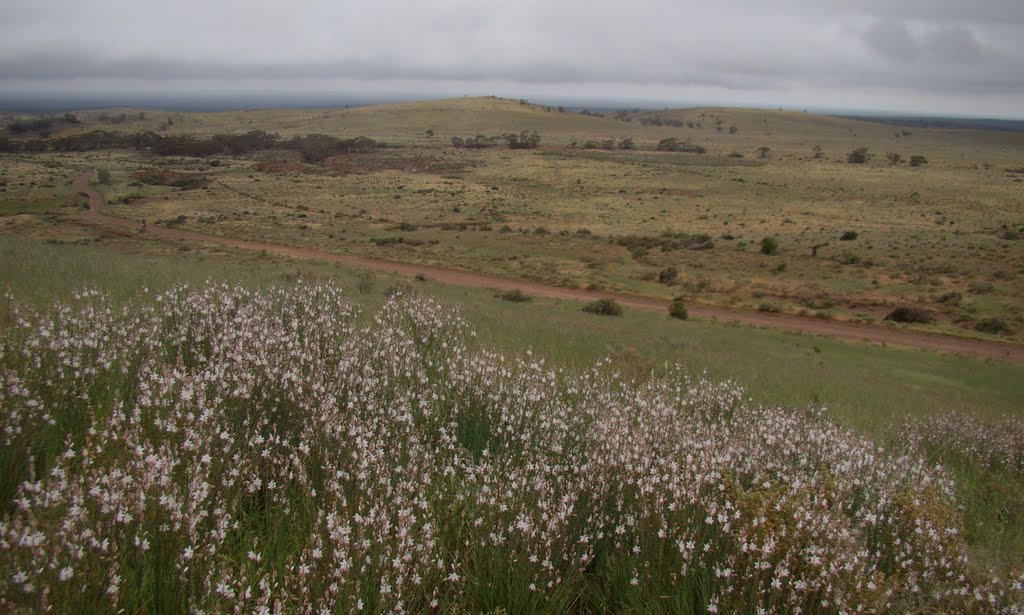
(881, 334)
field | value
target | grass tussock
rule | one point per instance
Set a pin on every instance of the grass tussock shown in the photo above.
(219, 448)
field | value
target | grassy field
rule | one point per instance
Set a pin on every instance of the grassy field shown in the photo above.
(943, 236)
(908, 402)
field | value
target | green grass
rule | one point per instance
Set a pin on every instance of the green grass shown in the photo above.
(863, 385)
(870, 388)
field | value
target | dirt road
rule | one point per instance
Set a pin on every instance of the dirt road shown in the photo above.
(847, 330)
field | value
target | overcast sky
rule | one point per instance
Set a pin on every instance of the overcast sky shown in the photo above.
(962, 57)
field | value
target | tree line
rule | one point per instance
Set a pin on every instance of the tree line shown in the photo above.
(313, 148)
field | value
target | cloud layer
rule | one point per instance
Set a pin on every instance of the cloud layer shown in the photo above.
(923, 50)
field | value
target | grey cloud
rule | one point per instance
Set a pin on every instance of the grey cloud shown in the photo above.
(954, 45)
(892, 41)
(736, 45)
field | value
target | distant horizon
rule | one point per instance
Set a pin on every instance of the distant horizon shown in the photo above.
(225, 100)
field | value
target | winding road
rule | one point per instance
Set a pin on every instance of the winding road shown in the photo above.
(881, 334)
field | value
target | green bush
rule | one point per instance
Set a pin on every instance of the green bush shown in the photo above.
(668, 275)
(678, 310)
(604, 307)
(848, 236)
(769, 245)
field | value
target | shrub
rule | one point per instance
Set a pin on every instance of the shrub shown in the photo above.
(918, 160)
(103, 176)
(515, 296)
(848, 236)
(858, 156)
(604, 307)
(769, 245)
(893, 157)
(678, 310)
(991, 325)
(910, 313)
(668, 275)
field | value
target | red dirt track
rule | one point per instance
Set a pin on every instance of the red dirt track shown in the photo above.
(846, 330)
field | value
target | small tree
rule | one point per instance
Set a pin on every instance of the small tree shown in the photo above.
(858, 156)
(769, 245)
